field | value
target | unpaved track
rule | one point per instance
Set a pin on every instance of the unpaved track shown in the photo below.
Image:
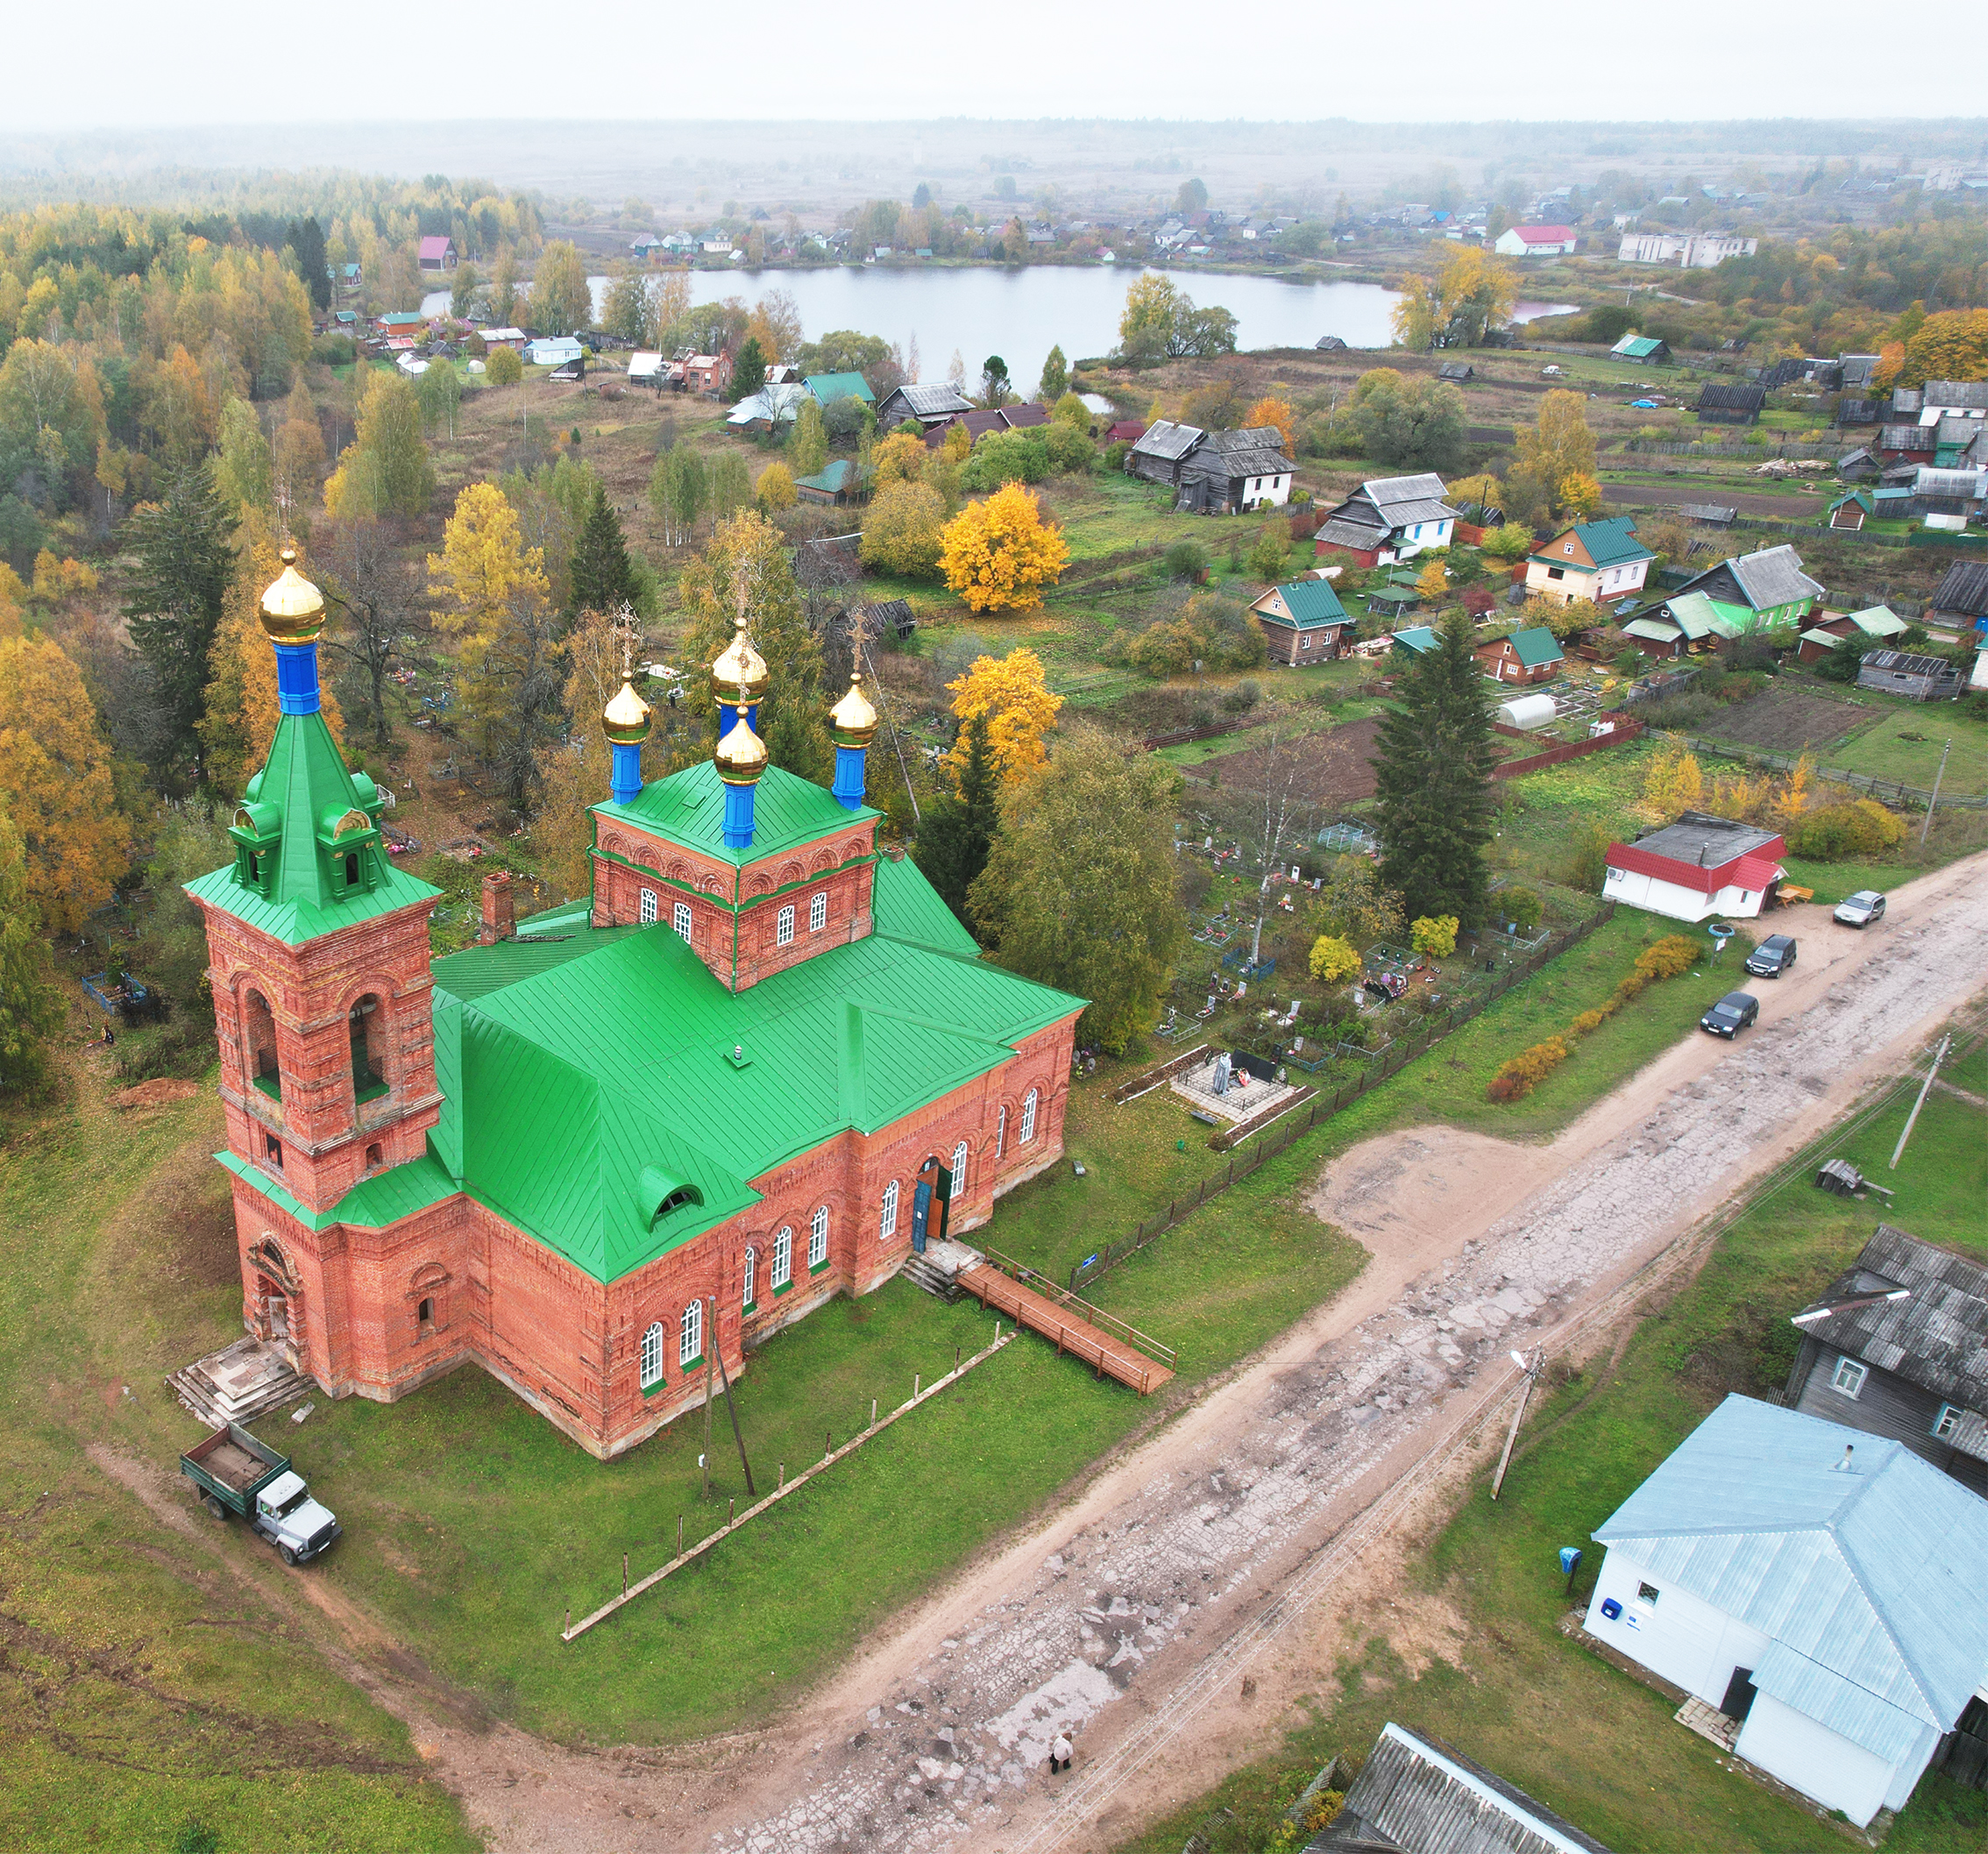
(934, 1735)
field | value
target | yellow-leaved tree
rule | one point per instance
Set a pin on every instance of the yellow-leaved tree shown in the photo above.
(1433, 582)
(1672, 783)
(1271, 410)
(1013, 693)
(241, 712)
(1333, 959)
(775, 489)
(898, 458)
(573, 773)
(55, 783)
(904, 528)
(998, 554)
(385, 470)
(1558, 446)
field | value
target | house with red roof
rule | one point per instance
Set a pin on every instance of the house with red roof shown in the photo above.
(1536, 241)
(438, 255)
(1696, 868)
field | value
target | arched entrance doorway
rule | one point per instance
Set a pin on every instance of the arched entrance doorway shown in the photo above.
(276, 1306)
(931, 1203)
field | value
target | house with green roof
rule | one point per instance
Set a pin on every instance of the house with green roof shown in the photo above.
(829, 387)
(839, 480)
(1875, 626)
(1303, 621)
(1646, 349)
(753, 1067)
(1416, 640)
(1600, 561)
(1764, 591)
(1533, 655)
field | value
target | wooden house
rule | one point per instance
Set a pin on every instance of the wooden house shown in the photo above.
(1962, 600)
(1388, 519)
(839, 481)
(1303, 621)
(1162, 450)
(1857, 411)
(1876, 624)
(1458, 373)
(1762, 591)
(1229, 472)
(1910, 443)
(1533, 655)
(1851, 510)
(929, 405)
(1645, 350)
(1911, 674)
(439, 256)
(1601, 561)
(1729, 402)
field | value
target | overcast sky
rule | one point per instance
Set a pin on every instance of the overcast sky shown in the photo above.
(136, 63)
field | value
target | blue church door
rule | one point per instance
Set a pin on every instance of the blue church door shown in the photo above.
(934, 1186)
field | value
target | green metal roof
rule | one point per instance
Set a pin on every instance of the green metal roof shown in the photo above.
(1699, 614)
(1653, 628)
(1417, 637)
(1636, 347)
(688, 808)
(1612, 542)
(1309, 602)
(833, 478)
(1877, 620)
(829, 387)
(572, 1068)
(1536, 645)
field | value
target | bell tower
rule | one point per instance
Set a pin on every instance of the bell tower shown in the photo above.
(318, 954)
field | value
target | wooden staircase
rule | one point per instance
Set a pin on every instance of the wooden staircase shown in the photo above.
(1107, 1343)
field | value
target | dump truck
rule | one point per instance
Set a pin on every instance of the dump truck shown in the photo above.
(236, 1474)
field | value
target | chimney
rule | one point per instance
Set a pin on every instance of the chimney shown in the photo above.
(1843, 1467)
(500, 911)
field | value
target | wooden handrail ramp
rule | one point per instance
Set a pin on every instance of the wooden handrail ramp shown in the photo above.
(1110, 1355)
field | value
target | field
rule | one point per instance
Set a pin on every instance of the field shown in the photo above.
(1786, 719)
(1471, 1651)
(1332, 767)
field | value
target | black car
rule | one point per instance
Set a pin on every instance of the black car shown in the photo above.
(1731, 1014)
(1772, 957)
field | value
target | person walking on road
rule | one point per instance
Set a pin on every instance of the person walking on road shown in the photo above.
(1059, 1754)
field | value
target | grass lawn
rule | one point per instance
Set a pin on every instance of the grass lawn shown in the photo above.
(1904, 743)
(1511, 1691)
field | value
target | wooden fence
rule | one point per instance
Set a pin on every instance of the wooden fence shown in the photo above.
(1876, 788)
(1402, 1052)
(1567, 751)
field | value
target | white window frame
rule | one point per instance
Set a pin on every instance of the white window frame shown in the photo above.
(690, 1334)
(887, 1224)
(1027, 1118)
(680, 919)
(747, 1295)
(818, 911)
(648, 908)
(962, 1153)
(783, 927)
(1001, 1132)
(1647, 1594)
(783, 1274)
(651, 1356)
(818, 1236)
(1946, 1422)
(1847, 1380)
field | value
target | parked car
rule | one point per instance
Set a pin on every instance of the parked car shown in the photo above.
(1772, 957)
(1731, 1014)
(1861, 909)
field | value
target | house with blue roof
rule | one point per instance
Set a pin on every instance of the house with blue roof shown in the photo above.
(1820, 1594)
(1303, 621)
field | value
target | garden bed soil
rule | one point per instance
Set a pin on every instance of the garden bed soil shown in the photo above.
(1785, 721)
(1335, 766)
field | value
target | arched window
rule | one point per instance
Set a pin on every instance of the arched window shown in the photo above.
(259, 1045)
(888, 1227)
(369, 1073)
(652, 1356)
(818, 913)
(690, 1335)
(751, 1270)
(680, 919)
(818, 1236)
(958, 1174)
(647, 905)
(1001, 1134)
(782, 1260)
(1028, 1117)
(783, 928)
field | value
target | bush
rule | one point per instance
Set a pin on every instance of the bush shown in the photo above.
(1527, 1069)
(1333, 960)
(334, 351)
(1185, 560)
(1435, 935)
(1510, 543)
(1006, 457)
(1833, 833)
(504, 367)
(1522, 908)
(1242, 698)
(1070, 447)
(1670, 956)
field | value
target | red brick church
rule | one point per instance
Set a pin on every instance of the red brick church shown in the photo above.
(675, 1116)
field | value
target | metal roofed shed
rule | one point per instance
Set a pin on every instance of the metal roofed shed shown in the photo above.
(1415, 1794)
(1714, 515)
(1826, 1590)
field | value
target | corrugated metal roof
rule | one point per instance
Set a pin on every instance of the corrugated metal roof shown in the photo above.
(1309, 602)
(1879, 1576)
(1937, 1338)
(688, 808)
(1535, 645)
(1849, 1710)
(1168, 441)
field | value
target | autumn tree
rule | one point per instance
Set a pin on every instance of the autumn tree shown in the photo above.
(561, 302)
(1333, 960)
(997, 554)
(1276, 413)
(377, 595)
(30, 1006)
(1432, 583)
(298, 459)
(1473, 294)
(678, 492)
(1161, 319)
(775, 324)
(184, 545)
(574, 772)
(1055, 377)
(386, 469)
(898, 458)
(904, 530)
(807, 445)
(1011, 693)
(1355, 904)
(244, 476)
(1433, 776)
(1272, 549)
(56, 784)
(1409, 424)
(603, 575)
(1950, 345)
(439, 392)
(504, 367)
(1557, 451)
(957, 831)
(463, 287)
(775, 491)
(745, 566)
(1671, 781)
(1078, 892)
(728, 485)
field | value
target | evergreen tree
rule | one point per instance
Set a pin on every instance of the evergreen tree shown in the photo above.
(958, 832)
(1433, 776)
(306, 237)
(186, 557)
(748, 371)
(31, 1007)
(1055, 377)
(602, 576)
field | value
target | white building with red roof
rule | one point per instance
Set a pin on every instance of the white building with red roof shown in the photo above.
(1696, 868)
(1536, 241)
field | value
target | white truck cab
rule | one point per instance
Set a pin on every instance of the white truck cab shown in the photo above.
(292, 1521)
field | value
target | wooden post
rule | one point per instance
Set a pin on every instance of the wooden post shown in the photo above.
(624, 1573)
(782, 1477)
(829, 1443)
(731, 1512)
(679, 1535)
(707, 1425)
(1518, 1416)
(731, 1402)
(955, 1359)
(873, 1412)
(1938, 1056)
(569, 1618)
(916, 1380)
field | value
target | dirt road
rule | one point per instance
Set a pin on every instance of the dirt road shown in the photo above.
(1102, 1617)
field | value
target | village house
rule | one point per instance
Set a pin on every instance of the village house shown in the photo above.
(1729, 402)
(929, 405)
(1821, 1595)
(1533, 655)
(555, 351)
(1762, 591)
(1940, 400)
(1303, 621)
(1948, 499)
(1599, 561)
(1898, 1346)
(438, 254)
(503, 338)
(1412, 641)
(1876, 622)
(1962, 600)
(1162, 450)
(827, 389)
(1536, 241)
(1388, 519)
(1912, 675)
(400, 325)
(1907, 443)
(839, 482)
(709, 374)
(765, 410)
(1645, 350)
(1700, 866)
(748, 1071)
(1853, 508)
(1229, 472)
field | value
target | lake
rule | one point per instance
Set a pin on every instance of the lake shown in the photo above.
(1020, 314)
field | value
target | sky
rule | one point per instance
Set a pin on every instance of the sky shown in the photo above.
(135, 64)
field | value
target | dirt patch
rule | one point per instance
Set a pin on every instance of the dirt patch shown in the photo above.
(1785, 721)
(1335, 766)
(155, 1093)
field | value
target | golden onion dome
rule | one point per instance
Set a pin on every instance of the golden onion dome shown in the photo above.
(740, 665)
(293, 610)
(626, 717)
(853, 719)
(741, 755)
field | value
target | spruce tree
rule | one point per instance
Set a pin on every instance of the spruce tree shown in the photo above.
(958, 832)
(1433, 777)
(602, 576)
(186, 557)
(749, 369)
(306, 237)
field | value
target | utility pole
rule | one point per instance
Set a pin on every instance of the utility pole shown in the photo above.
(1531, 1366)
(1934, 799)
(731, 1402)
(1938, 1056)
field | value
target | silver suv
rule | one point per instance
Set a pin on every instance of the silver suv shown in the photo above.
(1861, 909)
